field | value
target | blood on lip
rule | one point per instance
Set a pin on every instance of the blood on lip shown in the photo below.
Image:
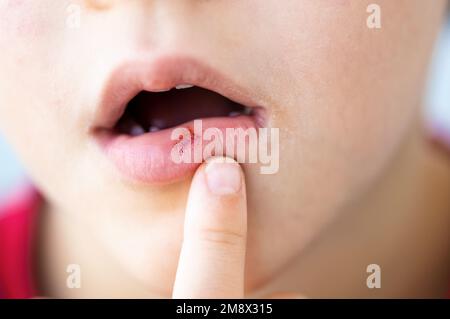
(182, 142)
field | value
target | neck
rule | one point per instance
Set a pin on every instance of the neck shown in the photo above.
(65, 240)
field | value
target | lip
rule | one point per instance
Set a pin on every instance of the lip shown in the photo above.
(147, 158)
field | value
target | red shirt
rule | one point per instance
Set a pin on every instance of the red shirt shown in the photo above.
(17, 218)
(17, 222)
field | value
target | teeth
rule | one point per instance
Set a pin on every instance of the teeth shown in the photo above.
(183, 86)
(136, 130)
(158, 123)
(160, 90)
(153, 129)
(246, 111)
(234, 114)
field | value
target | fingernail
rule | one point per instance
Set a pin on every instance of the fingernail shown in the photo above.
(223, 176)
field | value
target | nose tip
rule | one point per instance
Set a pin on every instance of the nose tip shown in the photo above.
(99, 4)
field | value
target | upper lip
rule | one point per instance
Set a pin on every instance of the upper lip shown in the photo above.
(160, 74)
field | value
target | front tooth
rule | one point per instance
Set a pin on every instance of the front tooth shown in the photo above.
(153, 129)
(158, 123)
(160, 90)
(234, 114)
(136, 130)
(183, 86)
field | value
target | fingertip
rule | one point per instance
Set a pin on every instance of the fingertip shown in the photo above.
(217, 197)
(223, 176)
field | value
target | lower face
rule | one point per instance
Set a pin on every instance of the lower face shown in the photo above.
(342, 95)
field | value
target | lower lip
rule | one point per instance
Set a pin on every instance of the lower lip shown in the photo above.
(147, 158)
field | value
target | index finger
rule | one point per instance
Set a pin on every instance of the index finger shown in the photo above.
(212, 259)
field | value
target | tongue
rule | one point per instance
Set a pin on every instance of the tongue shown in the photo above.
(172, 108)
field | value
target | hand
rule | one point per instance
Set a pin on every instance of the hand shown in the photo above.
(212, 259)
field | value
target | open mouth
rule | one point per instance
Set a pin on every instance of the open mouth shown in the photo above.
(152, 112)
(144, 103)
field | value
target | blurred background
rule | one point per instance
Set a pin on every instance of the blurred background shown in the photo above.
(437, 112)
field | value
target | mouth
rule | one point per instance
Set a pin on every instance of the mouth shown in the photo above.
(144, 103)
(150, 112)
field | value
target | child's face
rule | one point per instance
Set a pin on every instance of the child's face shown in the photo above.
(342, 94)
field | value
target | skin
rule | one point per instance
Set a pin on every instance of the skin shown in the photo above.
(356, 174)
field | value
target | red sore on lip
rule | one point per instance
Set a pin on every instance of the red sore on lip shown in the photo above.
(147, 158)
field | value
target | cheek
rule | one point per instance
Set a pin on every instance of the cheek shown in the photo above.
(28, 30)
(21, 18)
(346, 96)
